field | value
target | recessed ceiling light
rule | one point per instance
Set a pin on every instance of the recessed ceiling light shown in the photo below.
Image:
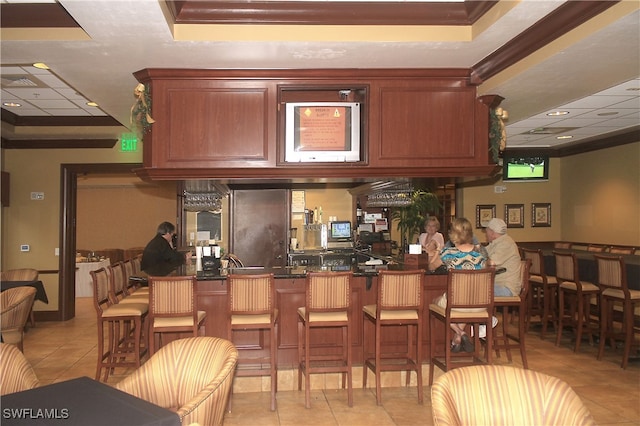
(11, 104)
(564, 137)
(92, 104)
(41, 66)
(557, 113)
(606, 114)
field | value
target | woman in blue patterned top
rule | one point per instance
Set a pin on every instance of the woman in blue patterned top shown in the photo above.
(463, 255)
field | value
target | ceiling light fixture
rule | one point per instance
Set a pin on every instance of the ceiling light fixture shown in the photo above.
(11, 104)
(564, 137)
(92, 104)
(557, 113)
(41, 66)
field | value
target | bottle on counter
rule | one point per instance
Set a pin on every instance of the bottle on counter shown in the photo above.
(315, 215)
(319, 214)
(358, 211)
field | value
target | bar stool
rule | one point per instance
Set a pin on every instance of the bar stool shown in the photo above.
(469, 301)
(502, 339)
(129, 317)
(251, 307)
(400, 302)
(614, 290)
(579, 293)
(327, 305)
(173, 308)
(543, 292)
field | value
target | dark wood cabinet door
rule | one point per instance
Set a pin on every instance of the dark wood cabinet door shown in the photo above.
(259, 227)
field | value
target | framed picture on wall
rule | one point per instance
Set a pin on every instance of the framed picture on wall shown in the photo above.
(514, 215)
(540, 214)
(484, 213)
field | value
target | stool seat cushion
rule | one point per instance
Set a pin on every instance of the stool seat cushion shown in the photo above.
(391, 314)
(587, 287)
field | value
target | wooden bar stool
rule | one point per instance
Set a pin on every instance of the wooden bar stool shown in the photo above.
(543, 292)
(502, 339)
(327, 305)
(251, 308)
(124, 325)
(469, 301)
(173, 308)
(578, 312)
(400, 302)
(614, 291)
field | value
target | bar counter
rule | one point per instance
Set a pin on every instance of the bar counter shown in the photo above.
(290, 295)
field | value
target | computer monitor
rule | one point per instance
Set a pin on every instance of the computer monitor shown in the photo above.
(340, 231)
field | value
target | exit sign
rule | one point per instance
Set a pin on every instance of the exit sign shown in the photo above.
(128, 142)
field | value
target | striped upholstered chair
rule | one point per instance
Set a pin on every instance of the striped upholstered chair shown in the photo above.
(191, 376)
(467, 396)
(16, 305)
(16, 374)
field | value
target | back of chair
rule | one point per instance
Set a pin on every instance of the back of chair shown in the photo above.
(117, 283)
(193, 375)
(250, 294)
(622, 250)
(536, 258)
(400, 290)
(470, 288)
(597, 248)
(466, 396)
(566, 267)
(612, 273)
(16, 374)
(101, 293)
(328, 291)
(16, 305)
(173, 297)
(525, 270)
(562, 245)
(23, 274)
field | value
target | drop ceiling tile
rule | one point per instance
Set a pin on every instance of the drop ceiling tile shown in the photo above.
(596, 101)
(34, 93)
(53, 104)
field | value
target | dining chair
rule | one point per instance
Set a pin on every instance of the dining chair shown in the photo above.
(469, 301)
(502, 339)
(576, 295)
(562, 245)
(622, 250)
(16, 374)
(22, 274)
(173, 308)
(191, 376)
(118, 287)
(252, 313)
(16, 304)
(542, 298)
(327, 305)
(124, 323)
(399, 302)
(614, 292)
(597, 248)
(467, 396)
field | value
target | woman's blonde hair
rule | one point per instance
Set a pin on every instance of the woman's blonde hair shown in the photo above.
(461, 231)
(434, 220)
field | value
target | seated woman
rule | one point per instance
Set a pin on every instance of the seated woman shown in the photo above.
(432, 241)
(463, 255)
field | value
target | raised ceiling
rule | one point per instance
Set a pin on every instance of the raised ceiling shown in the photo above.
(582, 57)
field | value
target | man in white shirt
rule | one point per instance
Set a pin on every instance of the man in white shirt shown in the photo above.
(503, 253)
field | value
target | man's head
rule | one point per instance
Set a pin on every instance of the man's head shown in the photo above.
(496, 228)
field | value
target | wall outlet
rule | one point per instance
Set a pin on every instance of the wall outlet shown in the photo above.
(25, 247)
(39, 196)
(56, 251)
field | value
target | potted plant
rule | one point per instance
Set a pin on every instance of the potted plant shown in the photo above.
(410, 218)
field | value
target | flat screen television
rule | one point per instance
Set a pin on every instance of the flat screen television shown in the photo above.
(518, 168)
(340, 231)
(322, 132)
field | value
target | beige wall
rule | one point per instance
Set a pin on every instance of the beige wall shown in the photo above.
(121, 214)
(601, 196)
(37, 223)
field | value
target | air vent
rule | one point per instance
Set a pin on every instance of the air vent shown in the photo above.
(20, 81)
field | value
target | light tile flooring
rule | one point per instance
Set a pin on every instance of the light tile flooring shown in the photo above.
(63, 350)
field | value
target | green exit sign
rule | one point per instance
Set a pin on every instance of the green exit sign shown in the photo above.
(128, 142)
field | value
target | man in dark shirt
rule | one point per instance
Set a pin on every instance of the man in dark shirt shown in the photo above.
(159, 257)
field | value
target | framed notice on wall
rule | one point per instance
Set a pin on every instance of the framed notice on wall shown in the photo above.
(297, 202)
(540, 214)
(484, 213)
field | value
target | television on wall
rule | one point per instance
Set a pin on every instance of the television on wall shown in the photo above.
(322, 132)
(521, 168)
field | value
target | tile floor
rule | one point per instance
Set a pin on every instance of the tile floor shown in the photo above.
(63, 350)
